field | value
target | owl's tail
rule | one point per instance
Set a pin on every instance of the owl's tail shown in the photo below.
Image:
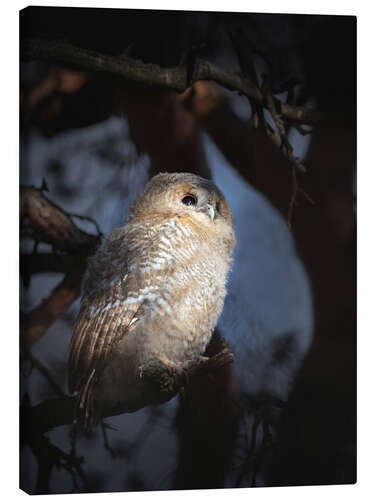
(85, 415)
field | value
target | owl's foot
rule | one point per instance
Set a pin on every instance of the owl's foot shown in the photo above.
(165, 378)
(178, 369)
(184, 370)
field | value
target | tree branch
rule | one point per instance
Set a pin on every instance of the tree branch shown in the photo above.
(47, 454)
(248, 149)
(161, 379)
(176, 78)
(35, 324)
(46, 222)
(46, 262)
(50, 224)
(36, 363)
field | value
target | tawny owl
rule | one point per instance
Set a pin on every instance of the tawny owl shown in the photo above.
(154, 289)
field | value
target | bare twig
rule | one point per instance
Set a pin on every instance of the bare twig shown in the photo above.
(282, 131)
(46, 373)
(47, 454)
(293, 198)
(50, 456)
(245, 53)
(245, 57)
(301, 130)
(306, 195)
(104, 427)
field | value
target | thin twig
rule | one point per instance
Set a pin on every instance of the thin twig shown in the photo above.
(293, 196)
(306, 195)
(45, 372)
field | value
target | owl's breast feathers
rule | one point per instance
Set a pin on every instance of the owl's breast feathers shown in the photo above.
(157, 274)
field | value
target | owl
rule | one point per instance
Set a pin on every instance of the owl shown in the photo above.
(154, 289)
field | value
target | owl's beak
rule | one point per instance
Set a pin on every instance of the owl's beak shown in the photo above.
(210, 211)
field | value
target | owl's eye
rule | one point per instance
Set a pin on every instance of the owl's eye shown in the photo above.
(189, 199)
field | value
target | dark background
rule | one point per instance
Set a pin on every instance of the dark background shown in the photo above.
(96, 144)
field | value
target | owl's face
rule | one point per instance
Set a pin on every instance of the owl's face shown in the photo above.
(183, 194)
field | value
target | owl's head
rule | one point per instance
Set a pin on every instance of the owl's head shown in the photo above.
(183, 194)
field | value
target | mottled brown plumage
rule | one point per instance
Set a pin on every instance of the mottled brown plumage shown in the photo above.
(154, 289)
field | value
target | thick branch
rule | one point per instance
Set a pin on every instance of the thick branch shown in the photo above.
(176, 78)
(51, 224)
(34, 325)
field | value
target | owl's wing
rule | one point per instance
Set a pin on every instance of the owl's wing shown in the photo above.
(105, 317)
(99, 327)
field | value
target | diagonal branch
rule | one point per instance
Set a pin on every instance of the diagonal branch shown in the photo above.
(35, 324)
(41, 218)
(42, 368)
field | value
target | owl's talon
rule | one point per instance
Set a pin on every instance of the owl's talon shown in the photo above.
(202, 360)
(179, 370)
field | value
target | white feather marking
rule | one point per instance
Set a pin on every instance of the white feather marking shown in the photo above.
(134, 320)
(165, 241)
(164, 305)
(143, 296)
